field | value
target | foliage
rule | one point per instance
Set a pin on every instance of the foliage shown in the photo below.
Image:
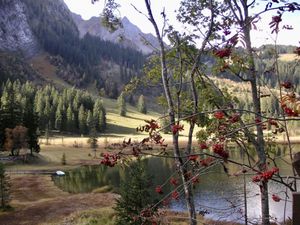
(15, 139)
(4, 189)
(134, 196)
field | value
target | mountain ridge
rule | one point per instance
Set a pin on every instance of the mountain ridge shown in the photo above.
(128, 35)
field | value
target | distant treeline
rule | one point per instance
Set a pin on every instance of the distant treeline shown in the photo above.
(46, 108)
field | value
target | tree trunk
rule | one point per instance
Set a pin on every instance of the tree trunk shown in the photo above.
(260, 144)
(164, 74)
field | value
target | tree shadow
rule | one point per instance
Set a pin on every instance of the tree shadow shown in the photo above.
(118, 129)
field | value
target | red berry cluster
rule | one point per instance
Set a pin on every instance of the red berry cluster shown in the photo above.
(287, 85)
(173, 181)
(151, 125)
(110, 159)
(234, 118)
(203, 145)
(273, 123)
(206, 162)
(219, 115)
(265, 176)
(219, 150)
(260, 123)
(222, 53)
(159, 190)
(193, 158)
(177, 128)
(289, 112)
(175, 195)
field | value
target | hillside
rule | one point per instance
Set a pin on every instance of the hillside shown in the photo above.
(48, 43)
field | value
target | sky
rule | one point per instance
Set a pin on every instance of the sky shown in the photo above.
(259, 37)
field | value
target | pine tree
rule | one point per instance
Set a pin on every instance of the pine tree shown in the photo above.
(93, 139)
(141, 105)
(58, 119)
(4, 189)
(82, 117)
(99, 114)
(122, 105)
(70, 119)
(31, 122)
(102, 120)
(89, 120)
(134, 196)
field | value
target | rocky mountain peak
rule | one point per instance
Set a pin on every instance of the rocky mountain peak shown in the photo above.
(15, 32)
(129, 35)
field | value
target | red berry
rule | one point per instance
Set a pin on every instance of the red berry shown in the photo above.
(219, 115)
(175, 195)
(158, 189)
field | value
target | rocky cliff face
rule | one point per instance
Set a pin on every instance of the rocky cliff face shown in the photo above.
(129, 35)
(15, 32)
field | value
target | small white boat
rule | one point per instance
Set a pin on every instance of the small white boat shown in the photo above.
(60, 173)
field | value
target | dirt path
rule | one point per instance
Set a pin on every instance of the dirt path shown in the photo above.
(37, 200)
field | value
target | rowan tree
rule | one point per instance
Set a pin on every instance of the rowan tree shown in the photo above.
(183, 66)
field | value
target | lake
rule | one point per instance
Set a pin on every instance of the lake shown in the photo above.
(218, 195)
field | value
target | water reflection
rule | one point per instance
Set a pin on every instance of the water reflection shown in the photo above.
(218, 195)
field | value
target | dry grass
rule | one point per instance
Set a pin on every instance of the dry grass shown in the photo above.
(288, 57)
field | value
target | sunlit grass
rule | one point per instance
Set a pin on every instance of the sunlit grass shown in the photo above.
(288, 57)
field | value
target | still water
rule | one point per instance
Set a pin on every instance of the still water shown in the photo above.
(218, 195)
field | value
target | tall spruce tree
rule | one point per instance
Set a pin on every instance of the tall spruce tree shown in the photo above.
(82, 120)
(141, 105)
(122, 105)
(31, 122)
(70, 119)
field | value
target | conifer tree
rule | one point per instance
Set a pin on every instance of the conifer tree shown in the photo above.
(82, 120)
(134, 196)
(89, 120)
(93, 140)
(70, 119)
(31, 122)
(142, 108)
(122, 105)
(102, 119)
(99, 114)
(58, 119)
